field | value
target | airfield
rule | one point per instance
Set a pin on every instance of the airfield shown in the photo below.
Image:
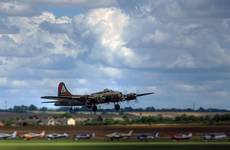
(101, 142)
(166, 131)
(95, 145)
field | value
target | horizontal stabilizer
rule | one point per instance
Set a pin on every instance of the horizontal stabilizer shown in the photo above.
(50, 102)
(143, 94)
(56, 97)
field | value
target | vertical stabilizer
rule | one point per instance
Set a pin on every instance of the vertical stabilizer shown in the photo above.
(62, 90)
(130, 133)
(42, 134)
(14, 134)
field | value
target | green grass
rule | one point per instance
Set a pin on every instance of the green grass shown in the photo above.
(95, 145)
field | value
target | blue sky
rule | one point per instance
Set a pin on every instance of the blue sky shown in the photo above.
(177, 48)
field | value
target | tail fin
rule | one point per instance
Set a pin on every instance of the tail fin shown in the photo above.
(93, 135)
(62, 90)
(130, 132)
(42, 134)
(157, 134)
(14, 134)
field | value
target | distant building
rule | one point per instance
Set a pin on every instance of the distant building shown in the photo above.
(81, 119)
(51, 122)
(118, 118)
(1, 124)
(56, 122)
(71, 122)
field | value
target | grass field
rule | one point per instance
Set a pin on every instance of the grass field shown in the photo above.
(91, 145)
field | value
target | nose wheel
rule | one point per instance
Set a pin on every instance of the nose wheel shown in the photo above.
(117, 107)
(71, 109)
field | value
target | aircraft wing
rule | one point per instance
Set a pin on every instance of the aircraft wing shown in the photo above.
(75, 100)
(143, 94)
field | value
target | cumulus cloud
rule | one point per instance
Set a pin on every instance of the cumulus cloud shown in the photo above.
(82, 3)
(111, 72)
(177, 48)
(108, 25)
(31, 8)
(176, 37)
(34, 38)
(156, 37)
(16, 8)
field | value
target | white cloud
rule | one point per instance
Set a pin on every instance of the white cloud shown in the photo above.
(176, 52)
(31, 8)
(193, 88)
(14, 84)
(111, 72)
(108, 25)
(220, 93)
(183, 61)
(157, 37)
(3, 81)
(88, 3)
(83, 81)
(18, 84)
(16, 8)
(33, 40)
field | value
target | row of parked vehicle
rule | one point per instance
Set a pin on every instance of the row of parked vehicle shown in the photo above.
(112, 136)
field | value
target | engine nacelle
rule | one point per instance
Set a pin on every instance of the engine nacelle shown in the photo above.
(131, 96)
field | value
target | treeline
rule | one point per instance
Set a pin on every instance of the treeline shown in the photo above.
(23, 108)
(182, 119)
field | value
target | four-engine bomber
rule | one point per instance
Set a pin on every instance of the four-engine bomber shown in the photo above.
(65, 98)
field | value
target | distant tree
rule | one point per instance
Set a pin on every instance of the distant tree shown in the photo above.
(44, 109)
(32, 108)
(201, 109)
(21, 108)
(99, 118)
(150, 109)
(128, 109)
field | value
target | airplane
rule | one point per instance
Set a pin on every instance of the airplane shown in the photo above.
(65, 98)
(29, 136)
(53, 136)
(214, 136)
(4, 136)
(152, 136)
(181, 136)
(84, 136)
(118, 136)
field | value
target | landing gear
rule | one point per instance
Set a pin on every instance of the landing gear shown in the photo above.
(89, 106)
(71, 109)
(94, 108)
(117, 107)
(75, 109)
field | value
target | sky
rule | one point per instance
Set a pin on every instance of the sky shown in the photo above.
(179, 49)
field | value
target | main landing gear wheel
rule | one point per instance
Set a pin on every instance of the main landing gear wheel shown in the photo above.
(71, 109)
(94, 108)
(117, 107)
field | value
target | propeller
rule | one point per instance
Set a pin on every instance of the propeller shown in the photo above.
(136, 99)
(125, 96)
(134, 96)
